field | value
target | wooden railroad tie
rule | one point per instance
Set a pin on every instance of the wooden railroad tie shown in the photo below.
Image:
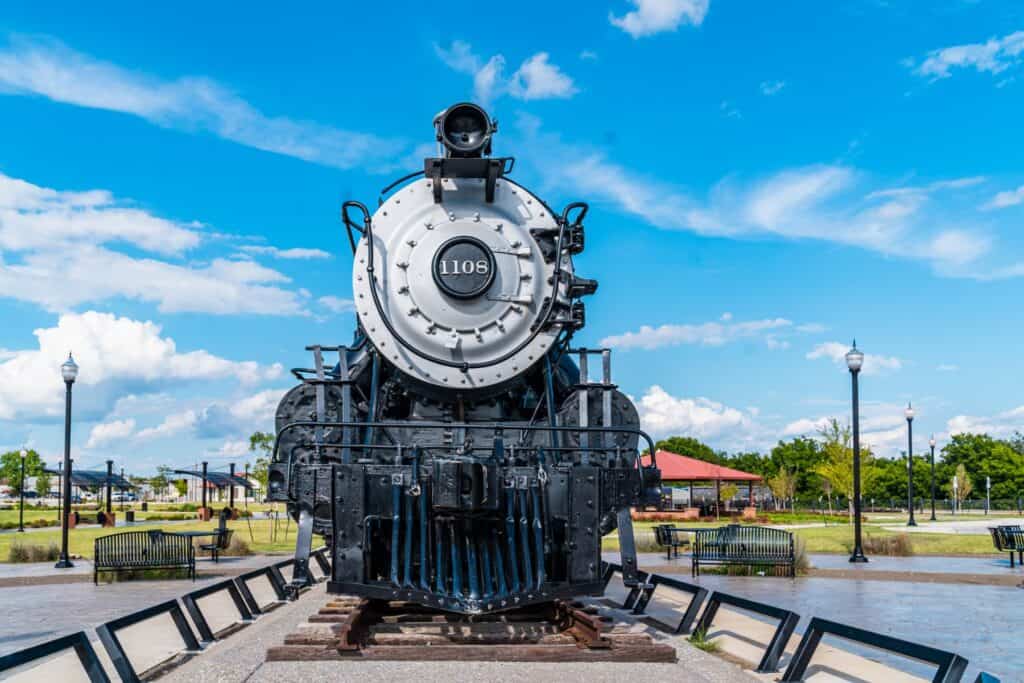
(560, 631)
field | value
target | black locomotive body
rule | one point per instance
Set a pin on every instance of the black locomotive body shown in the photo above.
(458, 454)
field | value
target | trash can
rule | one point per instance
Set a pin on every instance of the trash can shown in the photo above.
(145, 506)
(129, 516)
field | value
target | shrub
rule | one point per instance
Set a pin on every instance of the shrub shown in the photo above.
(898, 545)
(20, 552)
(237, 547)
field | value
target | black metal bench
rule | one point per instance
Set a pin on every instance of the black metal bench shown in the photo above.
(669, 538)
(221, 541)
(1009, 539)
(132, 550)
(744, 545)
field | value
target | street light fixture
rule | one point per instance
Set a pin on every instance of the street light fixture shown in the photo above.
(854, 361)
(909, 413)
(931, 444)
(69, 372)
(21, 488)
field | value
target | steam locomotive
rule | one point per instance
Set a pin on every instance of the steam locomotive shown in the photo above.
(458, 454)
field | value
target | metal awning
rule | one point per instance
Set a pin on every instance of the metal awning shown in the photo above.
(218, 479)
(94, 478)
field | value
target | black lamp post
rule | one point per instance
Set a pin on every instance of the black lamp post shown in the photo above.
(931, 444)
(21, 488)
(69, 371)
(854, 361)
(122, 490)
(909, 412)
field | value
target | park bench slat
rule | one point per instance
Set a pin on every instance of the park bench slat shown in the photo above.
(744, 545)
(150, 549)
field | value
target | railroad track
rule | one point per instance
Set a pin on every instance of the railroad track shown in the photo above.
(351, 627)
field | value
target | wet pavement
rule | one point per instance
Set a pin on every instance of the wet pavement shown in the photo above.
(979, 622)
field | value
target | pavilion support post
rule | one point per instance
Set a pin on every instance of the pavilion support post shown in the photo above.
(231, 490)
(718, 498)
(750, 493)
(110, 473)
(205, 514)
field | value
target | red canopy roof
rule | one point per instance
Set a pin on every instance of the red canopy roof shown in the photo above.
(675, 467)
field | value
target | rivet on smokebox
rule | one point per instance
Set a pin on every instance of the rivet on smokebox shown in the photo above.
(476, 216)
(451, 215)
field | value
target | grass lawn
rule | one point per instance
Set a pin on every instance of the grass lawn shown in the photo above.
(835, 539)
(80, 541)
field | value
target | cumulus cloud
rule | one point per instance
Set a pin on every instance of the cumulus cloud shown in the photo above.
(48, 68)
(116, 355)
(535, 79)
(827, 202)
(1002, 424)
(715, 333)
(662, 414)
(994, 56)
(658, 16)
(873, 363)
(57, 251)
(107, 432)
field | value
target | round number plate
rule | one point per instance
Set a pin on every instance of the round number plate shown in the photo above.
(464, 267)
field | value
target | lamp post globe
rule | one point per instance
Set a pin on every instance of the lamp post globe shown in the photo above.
(909, 414)
(69, 373)
(854, 362)
(931, 445)
(21, 488)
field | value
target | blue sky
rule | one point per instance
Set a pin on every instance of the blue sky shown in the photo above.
(766, 182)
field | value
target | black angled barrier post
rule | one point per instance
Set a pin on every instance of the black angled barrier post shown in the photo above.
(692, 609)
(203, 626)
(276, 582)
(83, 648)
(787, 622)
(108, 635)
(951, 666)
(320, 555)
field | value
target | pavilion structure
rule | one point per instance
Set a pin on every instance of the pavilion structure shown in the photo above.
(676, 469)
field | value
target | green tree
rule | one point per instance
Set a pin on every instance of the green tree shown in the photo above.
(262, 443)
(160, 482)
(680, 445)
(800, 457)
(43, 484)
(751, 462)
(837, 466)
(728, 492)
(982, 456)
(783, 485)
(10, 468)
(964, 485)
(181, 486)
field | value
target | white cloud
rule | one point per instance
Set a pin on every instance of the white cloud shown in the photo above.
(993, 56)
(33, 217)
(588, 55)
(706, 334)
(657, 16)
(873, 363)
(662, 414)
(538, 79)
(115, 354)
(827, 202)
(106, 432)
(336, 304)
(295, 253)
(1006, 198)
(999, 425)
(770, 88)
(173, 425)
(232, 448)
(56, 251)
(805, 427)
(535, 79)
(729, 110)
(811, 328)
(47, 68)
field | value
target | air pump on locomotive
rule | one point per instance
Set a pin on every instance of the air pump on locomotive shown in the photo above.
(458, 454)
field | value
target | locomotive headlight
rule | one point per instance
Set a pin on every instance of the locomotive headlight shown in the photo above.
(465, 130)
